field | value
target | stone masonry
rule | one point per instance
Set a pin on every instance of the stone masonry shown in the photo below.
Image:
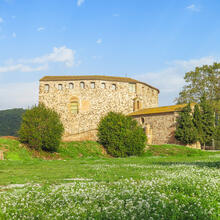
(160, 123)
(82, 101)
(160, 128)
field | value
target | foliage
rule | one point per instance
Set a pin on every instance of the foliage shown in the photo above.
(186, 131)
(41, 128)
(122, 188)
(14, 150)
(173, 150)
(208, 121)
(202, 81)
(197, 121)
(81, 149)
(121, 135)
(10, 121)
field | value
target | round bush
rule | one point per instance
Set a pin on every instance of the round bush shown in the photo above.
(121, 135)
(41, 128)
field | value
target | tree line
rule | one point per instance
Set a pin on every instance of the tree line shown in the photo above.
(10, 121)
(198, 123)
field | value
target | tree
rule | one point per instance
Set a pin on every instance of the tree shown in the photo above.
(41, 128)
(197, 121)
(208, 121)
(203, 80)
(186, 132)
(121, 135)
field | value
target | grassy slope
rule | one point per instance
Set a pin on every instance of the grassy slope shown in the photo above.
(175, 150)
(88, 159)
(14, 150)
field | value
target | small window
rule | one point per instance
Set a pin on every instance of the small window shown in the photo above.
(114, 86)
(132, 87)
(82, 85)
(74, 107)
(60, 86)
(138, 105)
(103, 86)
(46, 87)
(71, 85)
(92, 85)
(142, 120)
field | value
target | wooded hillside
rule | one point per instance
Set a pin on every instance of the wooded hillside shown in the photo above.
(10, 121)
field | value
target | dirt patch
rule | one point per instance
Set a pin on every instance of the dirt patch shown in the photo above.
(9, 137)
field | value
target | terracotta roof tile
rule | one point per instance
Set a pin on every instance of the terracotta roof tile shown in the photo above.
(158, 110)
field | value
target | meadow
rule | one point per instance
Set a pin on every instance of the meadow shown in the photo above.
(167, 182)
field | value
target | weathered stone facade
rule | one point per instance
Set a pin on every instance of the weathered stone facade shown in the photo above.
(160, 123)
(82, 101)
(160, 128)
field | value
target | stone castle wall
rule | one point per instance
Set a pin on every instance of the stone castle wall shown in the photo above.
(160, 128)
(93, 103)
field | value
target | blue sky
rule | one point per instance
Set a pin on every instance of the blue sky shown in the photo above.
(155, 41)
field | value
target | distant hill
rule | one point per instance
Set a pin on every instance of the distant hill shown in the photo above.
(10, 121)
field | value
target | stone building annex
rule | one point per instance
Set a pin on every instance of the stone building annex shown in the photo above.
(82, 101)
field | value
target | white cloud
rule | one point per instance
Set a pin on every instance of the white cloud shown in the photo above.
(171, 79)
(18, 95)
(80, 2)
(61, 55)
(22, 68)
(41, 29)
(13, 16)
(14, 35)
(1, 20)
(116, 15)
(193, 8)
(99, 41)
(58, 55)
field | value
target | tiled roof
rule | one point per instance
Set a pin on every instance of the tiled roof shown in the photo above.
(158, 110)
(94, 77)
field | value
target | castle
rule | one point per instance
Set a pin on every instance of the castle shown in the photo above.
(82, 101)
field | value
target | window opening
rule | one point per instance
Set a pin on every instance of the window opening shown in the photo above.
(60, 86)
(46, 87)
(74, 107)
(82, 85)
(92, 85)
(71, 85)
(114, 86)
(138, 105)
(103, 86)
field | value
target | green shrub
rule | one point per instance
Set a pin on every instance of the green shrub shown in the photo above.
(121, 135)
(41, 128)
(186, 131)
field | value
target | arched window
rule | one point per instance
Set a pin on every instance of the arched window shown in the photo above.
(103, 86)
(138, 105)
(82, 85)
(74, 107)
(92, 85)
(46, 87)
(71, 85)
(60, 86)
(113, 86)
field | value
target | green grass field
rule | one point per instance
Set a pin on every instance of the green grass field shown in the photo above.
(81, 182)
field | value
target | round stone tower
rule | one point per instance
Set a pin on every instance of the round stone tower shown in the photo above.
(82, 101)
